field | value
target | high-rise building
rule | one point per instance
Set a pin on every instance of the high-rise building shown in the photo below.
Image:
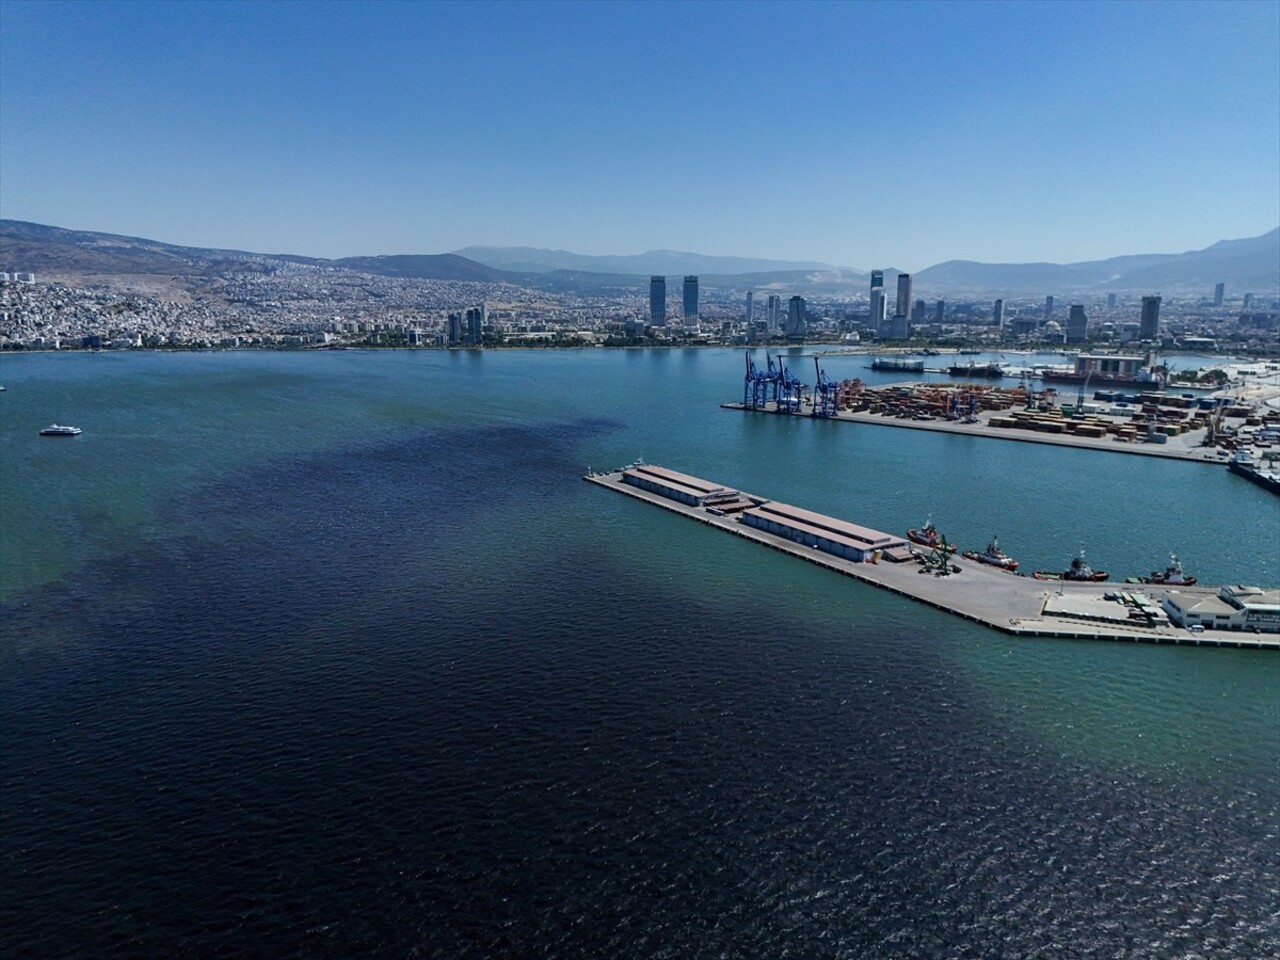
(879, 308)
(658, 301)
(877, 279)
(900, 328)
(903, 308)
(1248, 301)
(455, 328)
(796, 319)
(1149, 328)
(1077, 324)
(690, 301)
(475, 326)
(997, 314)
(750, 307)
(1048, 306)
(1111, 301)
(1219, 292)
(938, 310)
(774, 308)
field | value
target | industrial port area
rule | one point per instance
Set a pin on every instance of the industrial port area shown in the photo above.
(1237, 427)
(980, 586)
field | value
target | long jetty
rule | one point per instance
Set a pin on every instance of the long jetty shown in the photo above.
(1016, 605)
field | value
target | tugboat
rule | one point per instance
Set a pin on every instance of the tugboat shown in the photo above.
(1172, 576)
(992, 556)
(1079, 571)
(55, 430)
(928, 536)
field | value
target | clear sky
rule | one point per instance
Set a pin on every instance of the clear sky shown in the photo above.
(861, 134)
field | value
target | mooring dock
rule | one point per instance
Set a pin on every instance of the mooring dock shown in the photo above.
(1015, 605)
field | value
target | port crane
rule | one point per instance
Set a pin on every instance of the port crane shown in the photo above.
(826, 394)
(789, 390)
(758, 384)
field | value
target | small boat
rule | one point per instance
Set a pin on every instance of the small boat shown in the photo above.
(57, 430)
(1172, 575)
(1078, 571)
(992, 556)
(928, 536)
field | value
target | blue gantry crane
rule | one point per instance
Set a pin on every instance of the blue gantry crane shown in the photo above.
(826, 394)
(788, 390)
(758, 384)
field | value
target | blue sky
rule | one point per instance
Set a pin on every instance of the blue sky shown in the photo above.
(861, 134)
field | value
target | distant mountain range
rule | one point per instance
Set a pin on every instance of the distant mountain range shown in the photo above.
(1249, 265)
(663, 262)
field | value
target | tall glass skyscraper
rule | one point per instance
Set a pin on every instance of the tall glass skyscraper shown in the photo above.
(904, 296)
(1150, 326)
(690, 300)
(1077, 324)
(796, 327)
(658, 301)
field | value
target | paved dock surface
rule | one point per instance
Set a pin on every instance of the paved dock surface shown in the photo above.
(1017, 605)
(1184, 448)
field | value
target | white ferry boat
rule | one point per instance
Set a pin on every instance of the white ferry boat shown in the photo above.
(58, 430)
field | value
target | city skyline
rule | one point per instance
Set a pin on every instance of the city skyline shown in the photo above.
(335, 128)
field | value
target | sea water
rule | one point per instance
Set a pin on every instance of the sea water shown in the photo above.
(332, 653)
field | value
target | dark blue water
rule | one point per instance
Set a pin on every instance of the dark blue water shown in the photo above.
(289, 732)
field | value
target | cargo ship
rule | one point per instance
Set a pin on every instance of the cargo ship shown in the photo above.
(1105, 368)
(898, 364)
(1243, 464)
(989, 371)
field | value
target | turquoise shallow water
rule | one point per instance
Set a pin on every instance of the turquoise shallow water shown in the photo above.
(333, 652)
(158, 425)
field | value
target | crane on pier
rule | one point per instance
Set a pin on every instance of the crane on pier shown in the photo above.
(758, 383)
(826, 394)
(789, 391)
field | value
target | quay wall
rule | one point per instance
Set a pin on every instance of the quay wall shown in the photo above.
(1198, 455)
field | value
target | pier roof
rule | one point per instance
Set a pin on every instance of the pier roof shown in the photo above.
(862, 537)
(695, 484)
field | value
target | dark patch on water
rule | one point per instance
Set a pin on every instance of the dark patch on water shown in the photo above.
(349, 715)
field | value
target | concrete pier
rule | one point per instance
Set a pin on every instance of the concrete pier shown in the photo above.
(1021, 606)
(1185, 450)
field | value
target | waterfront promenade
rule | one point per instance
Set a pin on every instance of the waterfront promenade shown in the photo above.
(1021, 606)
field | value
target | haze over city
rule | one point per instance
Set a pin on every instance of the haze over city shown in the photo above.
(857, 135)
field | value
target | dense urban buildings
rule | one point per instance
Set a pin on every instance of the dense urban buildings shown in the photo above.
(308, 306)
